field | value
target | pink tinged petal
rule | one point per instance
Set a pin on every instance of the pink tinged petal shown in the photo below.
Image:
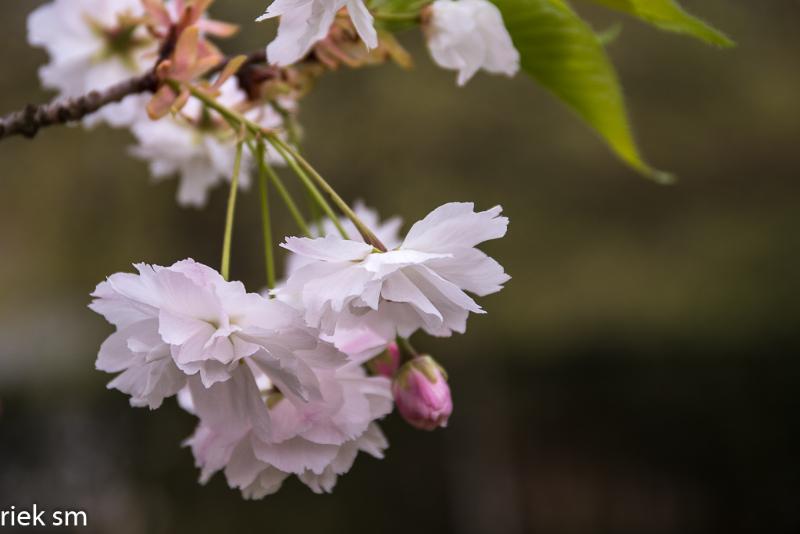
(373, 442)
(281, 7)
(211, 372)
(243, 467)
(290, 375)
(150, 383)
(141, 289)
(185, 400)
(454, 305)
(322, 483)
(362, 20)
(386, 263)
(254, 478)
(336, 290)
(360, 343)
(180, 330)
(472, 270)
(299, 29)
(183, 296)
(212, 450)
(330, 248)
(201, 275)
(233, 406)
(114, 355)
(422, 276)
(455, 226)
(295, 455)
(399, 288)
(118, 309)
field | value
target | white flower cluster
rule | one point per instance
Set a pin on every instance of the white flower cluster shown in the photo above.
(94, 44)
(278, 381)
(463, 35)
(278, 384)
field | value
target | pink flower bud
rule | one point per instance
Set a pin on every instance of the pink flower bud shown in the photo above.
(386, 363)
(422, 395)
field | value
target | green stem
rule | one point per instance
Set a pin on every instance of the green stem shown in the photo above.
(293, 159)
(312, 189)
(226, 113)
(269, 257)
(289, 122)
(407, 348)
(226, 243)
(289, 201)
(365, 232)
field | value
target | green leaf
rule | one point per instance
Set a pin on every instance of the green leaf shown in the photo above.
(669, 16)
(564, 55)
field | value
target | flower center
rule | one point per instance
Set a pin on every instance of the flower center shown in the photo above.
(121, 40)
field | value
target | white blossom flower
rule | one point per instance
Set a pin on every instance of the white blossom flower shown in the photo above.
(387, 231)
(198, 146)
(186, 320)
(260, 435)
(92, 45)
(360, 343)
(468, 35)
(420, 284)
(304, 22)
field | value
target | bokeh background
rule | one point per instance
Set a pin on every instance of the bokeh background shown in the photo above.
(639, 374)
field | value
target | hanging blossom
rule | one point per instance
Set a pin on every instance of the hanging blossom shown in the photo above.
(359, 341)
(305, 22)
(199, 146)
(259, 434)
(387, 231)
(468, 35)
(420, 284)
(92, 45)
(186, 320)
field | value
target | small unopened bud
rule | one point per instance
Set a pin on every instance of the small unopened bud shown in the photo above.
(422, 395)
(386, 363)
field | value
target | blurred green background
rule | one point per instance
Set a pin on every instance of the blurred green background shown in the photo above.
(638, 374)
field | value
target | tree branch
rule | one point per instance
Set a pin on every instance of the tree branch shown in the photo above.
(28, 121)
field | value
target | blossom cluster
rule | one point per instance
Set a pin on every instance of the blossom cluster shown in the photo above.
(94, 44)
(292, 382)
(294, 379)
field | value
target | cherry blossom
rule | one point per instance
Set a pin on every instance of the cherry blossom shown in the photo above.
(198, 145)
(187, 320)
(468, 35)
(420, 284)
(92, 45)
(422, 395)
(259, 433)
(305, 22)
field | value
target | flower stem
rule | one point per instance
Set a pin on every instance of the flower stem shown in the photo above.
(266, 223)
(366, 233)
(408, 349)
(228, 114)
(289, 201)
(312, 189)
(226, 243)
(296, 161)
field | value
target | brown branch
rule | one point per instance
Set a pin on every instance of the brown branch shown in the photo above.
(29, 120)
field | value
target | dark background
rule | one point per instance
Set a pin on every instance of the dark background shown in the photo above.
(637, 375)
